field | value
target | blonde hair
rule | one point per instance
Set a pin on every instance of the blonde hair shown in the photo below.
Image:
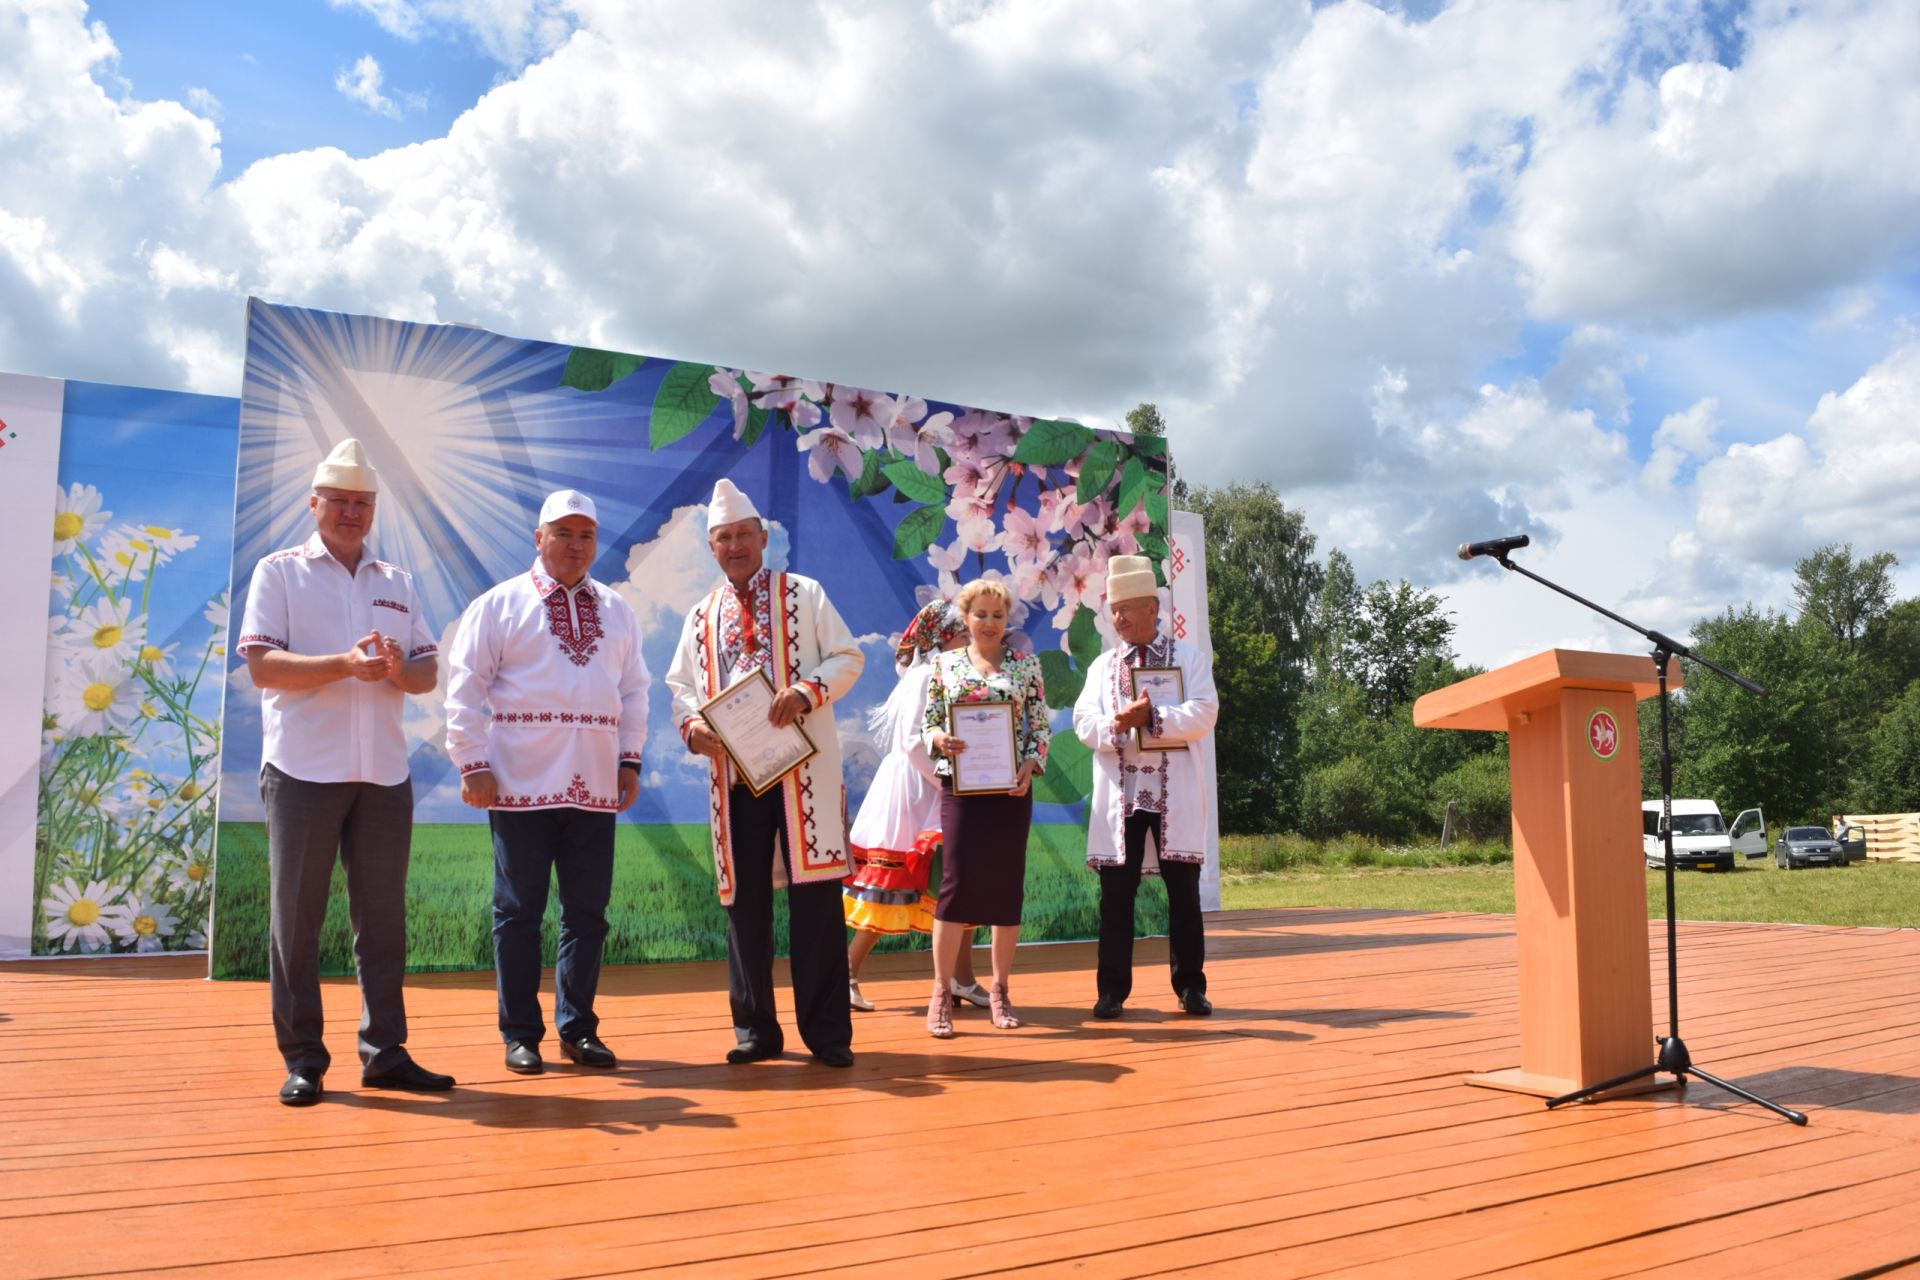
(983, 587)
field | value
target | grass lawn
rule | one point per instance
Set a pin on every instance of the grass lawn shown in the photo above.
(1883, 894)
(664, 907)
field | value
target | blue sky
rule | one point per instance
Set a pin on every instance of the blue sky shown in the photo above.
(1635, 278)
(272, 68)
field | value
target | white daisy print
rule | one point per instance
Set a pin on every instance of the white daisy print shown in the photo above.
(191, 878)
(158, 659)
(96, 697)
(108, 627)
(157, 537)
(143, 922)
(216, 613)
(120, 561)
(77, 918)
(76, 516)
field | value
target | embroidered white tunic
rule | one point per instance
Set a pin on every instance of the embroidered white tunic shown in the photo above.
(302, 600)
(904, 798)
(799, 637)
(562, 675)
(1125, 778)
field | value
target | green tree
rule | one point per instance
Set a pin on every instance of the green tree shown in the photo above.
(1844, 595)
(1890, 653)
(1890, 768)
(1397, 627)
(1742, 749)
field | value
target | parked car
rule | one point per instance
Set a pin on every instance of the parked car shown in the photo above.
(1807, 847)
(1701, 837)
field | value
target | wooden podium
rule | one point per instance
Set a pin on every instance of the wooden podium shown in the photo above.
(1580, 892)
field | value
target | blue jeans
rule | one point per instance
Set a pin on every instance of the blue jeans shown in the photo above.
(575, 848)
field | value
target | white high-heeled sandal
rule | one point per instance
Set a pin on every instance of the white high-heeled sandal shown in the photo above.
(855, 999)
(975, 995)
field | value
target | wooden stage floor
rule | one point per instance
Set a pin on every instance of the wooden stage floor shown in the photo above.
(1317, 1125)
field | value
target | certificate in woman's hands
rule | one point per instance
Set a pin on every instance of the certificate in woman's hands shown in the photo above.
(738, 715)
(987, 764)
(1164, 687)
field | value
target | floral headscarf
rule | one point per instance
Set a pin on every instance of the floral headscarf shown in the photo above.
(931, 628)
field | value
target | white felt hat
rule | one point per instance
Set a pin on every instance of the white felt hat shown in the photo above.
(729, 505)
(347, 468)
(1130, 578)
(562, 503)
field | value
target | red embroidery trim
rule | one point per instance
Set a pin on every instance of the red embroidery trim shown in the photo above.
(578, 646)
(391, 604)
(577, 795)
(588, 718)
(475, 767)
(274, 641)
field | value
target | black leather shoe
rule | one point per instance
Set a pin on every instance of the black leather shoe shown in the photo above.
(1106, 1007)
(752, 1051)
(588, 1051)
(302, 1089)
(1196, 1003)
(834, 1057)
(524, 1058)
(409, 1076)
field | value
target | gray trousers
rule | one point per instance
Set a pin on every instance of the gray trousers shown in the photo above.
(371, 829)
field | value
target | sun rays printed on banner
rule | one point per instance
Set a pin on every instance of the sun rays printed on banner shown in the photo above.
(888, 500)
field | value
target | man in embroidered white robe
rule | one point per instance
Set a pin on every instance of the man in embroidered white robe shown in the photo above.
(783, 624)
(555, 656)
(1148, 809)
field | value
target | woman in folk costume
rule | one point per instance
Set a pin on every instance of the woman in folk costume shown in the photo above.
(782, 625)
(1148, 813)
(984, 836)
(897, 831)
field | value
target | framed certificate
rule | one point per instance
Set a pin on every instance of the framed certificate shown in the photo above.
(761, 753)
(1163, 687)
(987, 765)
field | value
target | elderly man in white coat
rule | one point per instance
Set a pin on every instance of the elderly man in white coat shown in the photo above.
(1148, 814)
(782, 624)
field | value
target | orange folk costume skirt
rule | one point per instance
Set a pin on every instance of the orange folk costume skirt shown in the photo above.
(887, 892)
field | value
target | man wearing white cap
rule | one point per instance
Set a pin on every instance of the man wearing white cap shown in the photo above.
(782, 624)
(335, 640)
(1148, 813)
(555, 657)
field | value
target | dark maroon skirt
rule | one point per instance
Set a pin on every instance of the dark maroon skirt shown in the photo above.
(983, 839)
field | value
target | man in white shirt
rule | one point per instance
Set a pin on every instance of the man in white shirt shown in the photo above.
(784, 625)
(1148, 811)
(555, 657)
(335, 640)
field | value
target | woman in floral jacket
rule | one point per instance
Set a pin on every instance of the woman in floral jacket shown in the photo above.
(985, 835)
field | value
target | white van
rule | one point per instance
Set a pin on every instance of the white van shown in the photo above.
(1701, 837)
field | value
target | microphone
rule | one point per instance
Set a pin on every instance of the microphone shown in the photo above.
(1496, 547)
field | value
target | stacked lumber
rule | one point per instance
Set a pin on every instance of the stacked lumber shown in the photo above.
(1891, 837)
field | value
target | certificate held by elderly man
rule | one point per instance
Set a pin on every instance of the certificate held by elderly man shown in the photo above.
(986, 765)
(763, 754)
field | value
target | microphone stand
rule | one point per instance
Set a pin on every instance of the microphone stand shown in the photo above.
(1672, 1057)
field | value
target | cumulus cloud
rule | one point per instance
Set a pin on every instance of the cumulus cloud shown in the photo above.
(1407, 266)
(361, 83)
(509, 31)
(1855, 471)
(1713, 188)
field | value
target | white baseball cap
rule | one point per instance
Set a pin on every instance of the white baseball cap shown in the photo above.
(562, 503)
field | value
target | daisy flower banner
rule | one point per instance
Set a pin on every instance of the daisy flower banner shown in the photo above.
(887, 498)
(128, 713)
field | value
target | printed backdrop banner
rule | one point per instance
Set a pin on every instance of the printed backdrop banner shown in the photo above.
(887, 499)
(127, 731)
(29, 463)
